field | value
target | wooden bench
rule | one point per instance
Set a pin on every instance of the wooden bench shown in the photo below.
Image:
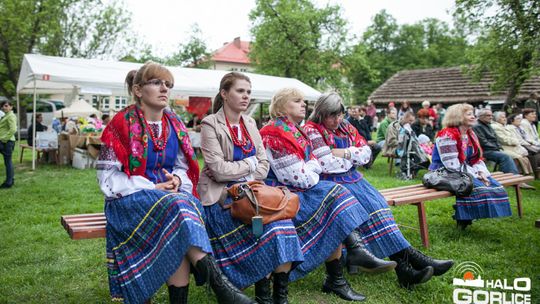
(88, 226)
(84, 226)
(39, 152)
(418, 195)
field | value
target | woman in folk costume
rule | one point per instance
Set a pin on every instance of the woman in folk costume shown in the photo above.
(155, 224)
(456, 146)
(340, 150)
(233, 153)
(328, 212)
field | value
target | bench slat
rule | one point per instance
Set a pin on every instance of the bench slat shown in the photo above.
(87, 232)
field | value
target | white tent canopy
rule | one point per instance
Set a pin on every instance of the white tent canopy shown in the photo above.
(79, 108)
(57, 75)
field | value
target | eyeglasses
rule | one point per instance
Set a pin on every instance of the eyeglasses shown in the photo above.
(159, 82)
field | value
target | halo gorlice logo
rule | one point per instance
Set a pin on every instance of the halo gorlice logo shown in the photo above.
(471, 288)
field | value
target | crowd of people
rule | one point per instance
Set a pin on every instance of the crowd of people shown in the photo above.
(166, 218)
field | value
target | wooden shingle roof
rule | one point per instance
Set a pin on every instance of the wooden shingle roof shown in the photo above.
(445, 85)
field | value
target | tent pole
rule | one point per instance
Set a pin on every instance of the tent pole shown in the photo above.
(19, 119)
(34, 127)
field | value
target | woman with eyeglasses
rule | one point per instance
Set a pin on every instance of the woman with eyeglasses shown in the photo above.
(328, 212)
(339, 150)
(233, 153)
(148, 172)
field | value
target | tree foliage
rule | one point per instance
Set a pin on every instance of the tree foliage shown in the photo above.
(194, 53)
(71, 28)
(387, 48)
(293, 38)
(508, 43)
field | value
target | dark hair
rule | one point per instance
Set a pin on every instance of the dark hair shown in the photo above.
(226, 83)
(510, 119)
(527, 111)
(105, 116)
(4, 102)
(149, 70)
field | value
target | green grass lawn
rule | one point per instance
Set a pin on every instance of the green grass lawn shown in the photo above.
(39, 263)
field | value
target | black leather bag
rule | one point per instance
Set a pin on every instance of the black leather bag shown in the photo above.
(459, 183)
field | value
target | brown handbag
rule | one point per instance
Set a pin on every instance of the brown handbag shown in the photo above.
(255, 203)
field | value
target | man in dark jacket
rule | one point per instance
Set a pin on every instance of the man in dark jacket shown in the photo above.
(361, 122)
(492, 150)
(39, 128)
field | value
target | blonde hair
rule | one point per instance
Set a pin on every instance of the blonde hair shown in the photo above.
(455, 115)
(280, 99)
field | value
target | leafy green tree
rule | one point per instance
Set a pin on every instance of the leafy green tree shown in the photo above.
(194, 53)
(389, 48)
(509, 40)
(293, 38)
(72, 28)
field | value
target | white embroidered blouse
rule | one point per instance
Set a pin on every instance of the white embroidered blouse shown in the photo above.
(114, 183)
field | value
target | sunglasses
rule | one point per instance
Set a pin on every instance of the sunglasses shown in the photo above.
(159, 82)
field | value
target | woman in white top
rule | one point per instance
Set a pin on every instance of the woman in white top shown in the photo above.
(529, 116)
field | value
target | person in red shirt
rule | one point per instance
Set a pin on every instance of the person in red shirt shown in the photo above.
(432, 112)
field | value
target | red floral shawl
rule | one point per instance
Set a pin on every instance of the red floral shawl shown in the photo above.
(125, 134)
(282, 135)
(455, 134)
(345, 128)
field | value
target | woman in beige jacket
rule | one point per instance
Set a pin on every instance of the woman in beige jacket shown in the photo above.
(233, 152)
(510, 143)
(529, 117)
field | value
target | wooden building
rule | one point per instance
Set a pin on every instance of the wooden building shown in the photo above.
(444, 85)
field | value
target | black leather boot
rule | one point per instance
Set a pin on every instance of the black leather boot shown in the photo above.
(226, 292)
(337, 284)
(281, 288)
(419, 260)
(178, 295)
(262, 291)
(360, 258)
(407, 275)
(462, 224)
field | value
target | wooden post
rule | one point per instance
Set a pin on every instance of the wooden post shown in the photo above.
(518, 198)
(390, 165)
(424, 234)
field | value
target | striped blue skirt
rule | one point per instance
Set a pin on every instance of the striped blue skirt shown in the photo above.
(484, 202)
(380, 233)
(148, 235)
(328, 214)
(244, 258)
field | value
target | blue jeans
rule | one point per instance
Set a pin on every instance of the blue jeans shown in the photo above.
(6, 149)
(505, 162)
